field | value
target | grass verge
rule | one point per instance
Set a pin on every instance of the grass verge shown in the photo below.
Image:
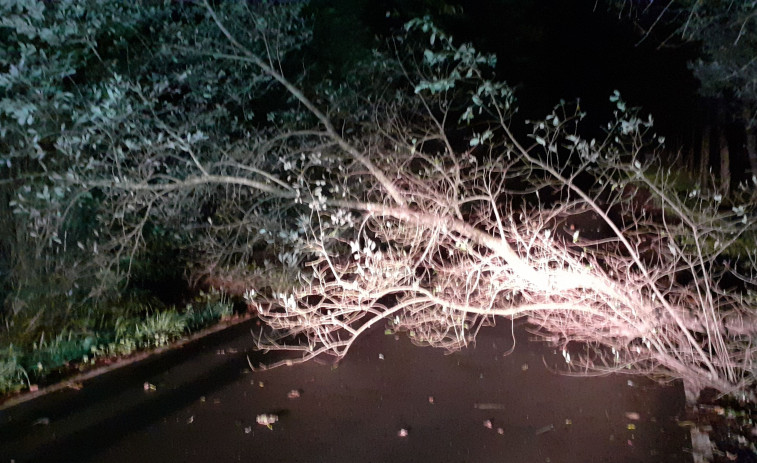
(118, 332)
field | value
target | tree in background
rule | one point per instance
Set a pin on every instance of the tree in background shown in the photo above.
(102, 93)
(51, 57)
(727, 34)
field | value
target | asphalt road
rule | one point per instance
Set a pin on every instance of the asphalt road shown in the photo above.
(386, 401)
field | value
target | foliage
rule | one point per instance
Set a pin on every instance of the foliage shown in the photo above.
(727, 33)
(211, 307)
(117, 330)
(159, 328)
(47, 355)
(125, 88)
(12, 375)
(49, 49)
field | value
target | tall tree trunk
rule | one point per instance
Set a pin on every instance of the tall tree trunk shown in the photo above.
(704, 155)
(751, 141)
(722, 144)
(725, 161)
(751, 149)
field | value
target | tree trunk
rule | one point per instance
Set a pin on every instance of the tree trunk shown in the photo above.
(704, 155)
(750, 132)
(691, 154)
(725, 162)
(751, 150)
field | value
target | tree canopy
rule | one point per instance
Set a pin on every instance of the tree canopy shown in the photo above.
(726, 32)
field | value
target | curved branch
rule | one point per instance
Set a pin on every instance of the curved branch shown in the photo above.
(322, 118)
(192, 182)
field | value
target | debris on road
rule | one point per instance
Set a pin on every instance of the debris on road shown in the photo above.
(267, 419)
(41, 421)
(489, 406)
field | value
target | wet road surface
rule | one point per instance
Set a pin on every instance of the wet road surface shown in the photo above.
(386, 401)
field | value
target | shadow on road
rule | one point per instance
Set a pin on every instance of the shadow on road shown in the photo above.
(71, 425)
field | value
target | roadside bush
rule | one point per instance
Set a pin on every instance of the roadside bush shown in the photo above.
(13, 377)
(119, 330)
(207, 309)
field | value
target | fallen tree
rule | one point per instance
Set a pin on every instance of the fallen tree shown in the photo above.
(474, 236)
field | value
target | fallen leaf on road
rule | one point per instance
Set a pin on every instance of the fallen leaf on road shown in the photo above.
(632, 416)
(266, 419)
(41, 422)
